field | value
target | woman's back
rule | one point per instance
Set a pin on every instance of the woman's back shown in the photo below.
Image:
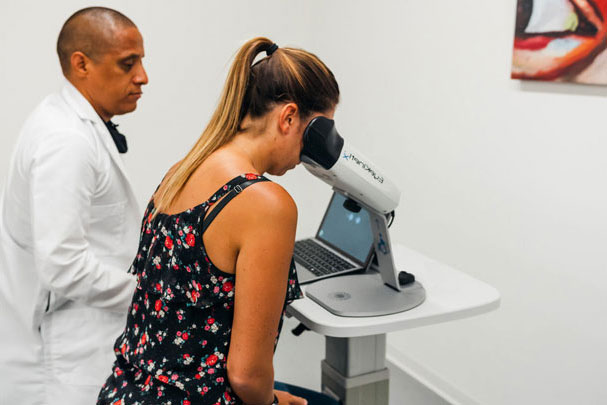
(179, 326)
(217, 170)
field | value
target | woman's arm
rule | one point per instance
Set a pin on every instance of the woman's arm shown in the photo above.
(265, 238)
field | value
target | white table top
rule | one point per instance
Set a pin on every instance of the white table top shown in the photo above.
(450, 295)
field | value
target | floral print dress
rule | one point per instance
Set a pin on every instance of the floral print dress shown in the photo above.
(176, 341)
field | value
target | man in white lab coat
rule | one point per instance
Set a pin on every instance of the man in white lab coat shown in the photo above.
(69, 221)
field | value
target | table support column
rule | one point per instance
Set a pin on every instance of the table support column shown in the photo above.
(354, 370)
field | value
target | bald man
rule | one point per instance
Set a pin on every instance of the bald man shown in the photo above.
(69, 221)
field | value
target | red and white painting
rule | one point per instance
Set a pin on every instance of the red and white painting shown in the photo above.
(561, 40)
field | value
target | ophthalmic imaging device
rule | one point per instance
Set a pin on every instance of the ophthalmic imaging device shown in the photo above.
(345, 309)
(387, 290)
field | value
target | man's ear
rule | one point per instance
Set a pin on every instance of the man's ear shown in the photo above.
(288, 118)
(79, 64)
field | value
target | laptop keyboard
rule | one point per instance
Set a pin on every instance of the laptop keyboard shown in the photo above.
(319, 260)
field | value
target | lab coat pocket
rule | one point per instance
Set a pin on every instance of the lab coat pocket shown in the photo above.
(78, 345)
(107, 227)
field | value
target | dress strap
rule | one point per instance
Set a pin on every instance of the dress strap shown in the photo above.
(234, 187)
(226, 188)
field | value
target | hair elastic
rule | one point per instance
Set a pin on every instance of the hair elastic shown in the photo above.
(271, 49)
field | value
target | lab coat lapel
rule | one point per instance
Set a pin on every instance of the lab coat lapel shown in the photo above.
(109, 144)
(86, 112)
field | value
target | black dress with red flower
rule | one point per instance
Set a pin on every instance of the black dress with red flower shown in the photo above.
(175, 345)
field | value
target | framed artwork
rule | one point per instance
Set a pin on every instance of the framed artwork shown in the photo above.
(561, 40)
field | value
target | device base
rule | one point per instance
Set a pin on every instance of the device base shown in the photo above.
(361, 295)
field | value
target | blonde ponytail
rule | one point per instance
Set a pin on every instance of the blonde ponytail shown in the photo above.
(285, 75)
(223, 124)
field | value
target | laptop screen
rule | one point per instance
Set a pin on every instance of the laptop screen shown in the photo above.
(347, 231)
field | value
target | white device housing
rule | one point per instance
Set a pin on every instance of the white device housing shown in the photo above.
(355, 176)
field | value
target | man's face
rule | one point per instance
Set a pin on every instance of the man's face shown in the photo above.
(114, 81)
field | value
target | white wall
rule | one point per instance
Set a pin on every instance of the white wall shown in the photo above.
(501, 179)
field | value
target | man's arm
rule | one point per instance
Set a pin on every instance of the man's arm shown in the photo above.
(62, 184)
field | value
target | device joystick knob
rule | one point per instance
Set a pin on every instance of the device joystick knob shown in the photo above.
(405, 278)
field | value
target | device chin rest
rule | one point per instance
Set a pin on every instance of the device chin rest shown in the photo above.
(322, 144)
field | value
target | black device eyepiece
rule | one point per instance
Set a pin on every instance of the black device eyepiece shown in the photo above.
(321, 142)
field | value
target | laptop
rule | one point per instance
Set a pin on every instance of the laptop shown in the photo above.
(343, 244)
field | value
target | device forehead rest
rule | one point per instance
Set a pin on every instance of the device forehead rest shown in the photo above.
(321, 142)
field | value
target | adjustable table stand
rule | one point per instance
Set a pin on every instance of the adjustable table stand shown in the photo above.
(354, 368)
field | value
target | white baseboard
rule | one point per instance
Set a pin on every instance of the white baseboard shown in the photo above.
(413, 384)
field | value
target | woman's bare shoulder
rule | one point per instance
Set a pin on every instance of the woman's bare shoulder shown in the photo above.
(271, 199)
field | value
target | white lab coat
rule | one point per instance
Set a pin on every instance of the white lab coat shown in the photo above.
(69, 225)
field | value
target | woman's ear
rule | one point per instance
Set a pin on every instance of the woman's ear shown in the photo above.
(288, 117)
